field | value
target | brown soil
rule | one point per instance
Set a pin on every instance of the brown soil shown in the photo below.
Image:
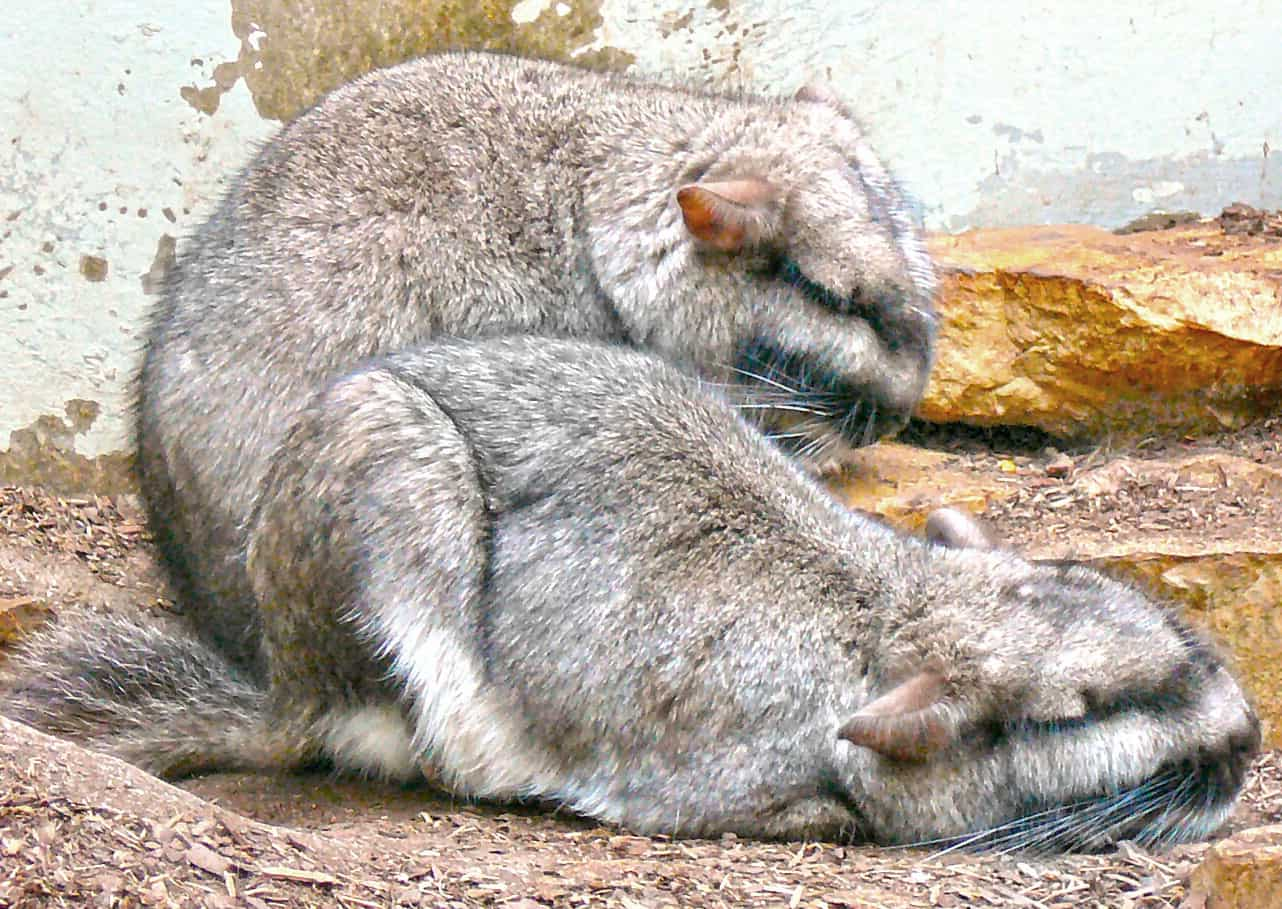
(1069, 502)
(78, 829)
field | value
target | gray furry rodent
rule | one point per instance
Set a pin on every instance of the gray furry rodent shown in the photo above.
(619, 597)
(755, 242)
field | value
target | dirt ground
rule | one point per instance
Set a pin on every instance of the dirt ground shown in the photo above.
(79, 829)
(1168, 487)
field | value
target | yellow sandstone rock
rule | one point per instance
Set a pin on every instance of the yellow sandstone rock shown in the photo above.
(1083, 333)
(1241, 872)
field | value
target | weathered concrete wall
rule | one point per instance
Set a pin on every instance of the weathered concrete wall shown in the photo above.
(103, 166)
(120, 121)
(1002, 112)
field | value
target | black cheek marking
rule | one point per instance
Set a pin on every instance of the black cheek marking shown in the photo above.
(1004, 732)
(790, 273)
(1175, 693)
(860, 415)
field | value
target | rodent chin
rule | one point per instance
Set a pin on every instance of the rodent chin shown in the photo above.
(1182, 801)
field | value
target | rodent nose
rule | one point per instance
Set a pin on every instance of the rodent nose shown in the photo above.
(1246, 740)
(1240, 720)
(1242, 744)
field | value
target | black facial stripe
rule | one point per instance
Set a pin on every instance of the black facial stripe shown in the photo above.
(1178, 692)
(1172, 698)
(896, 319)
(790, 272)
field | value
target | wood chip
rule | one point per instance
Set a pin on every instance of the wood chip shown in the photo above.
(299, 874)
(207, 859)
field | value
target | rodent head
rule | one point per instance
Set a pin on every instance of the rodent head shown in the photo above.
(842, 326)
(762, 242)
(1069, 711)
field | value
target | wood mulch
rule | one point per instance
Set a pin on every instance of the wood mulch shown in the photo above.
(80, 830)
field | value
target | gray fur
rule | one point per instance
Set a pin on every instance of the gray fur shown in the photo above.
(475, 195)
(952, 527)
(143, 689)
(617, 596)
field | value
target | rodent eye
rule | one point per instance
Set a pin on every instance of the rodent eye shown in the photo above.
(1171, 694)
(762, 264)
(1095, 700)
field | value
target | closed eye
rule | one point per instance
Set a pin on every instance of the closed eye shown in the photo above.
(856, 304)
(791, 273)
(1154, 702)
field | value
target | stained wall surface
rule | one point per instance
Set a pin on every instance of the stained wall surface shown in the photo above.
(121, 121)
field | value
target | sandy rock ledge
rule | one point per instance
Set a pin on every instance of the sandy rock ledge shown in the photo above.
(1083, 333)
(1242, 872)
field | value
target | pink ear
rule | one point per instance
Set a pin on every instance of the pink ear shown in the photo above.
(820, 93)
(955, 529)
(910, 722)
(729, 214)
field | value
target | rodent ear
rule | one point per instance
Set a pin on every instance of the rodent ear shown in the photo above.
(818, 92)
(958, 530)
(729, 214)
(910, 722)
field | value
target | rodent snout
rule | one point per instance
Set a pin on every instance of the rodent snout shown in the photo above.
(1244, 734)
(1240, 736)
(1246, 740)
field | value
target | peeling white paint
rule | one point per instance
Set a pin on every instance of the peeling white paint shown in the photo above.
(1001, 115)
(95, 147)
(527, 11)
(1162, 189)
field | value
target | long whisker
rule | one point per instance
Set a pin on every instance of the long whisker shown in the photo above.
(792, 407)
(1151, 809)
(766, 379)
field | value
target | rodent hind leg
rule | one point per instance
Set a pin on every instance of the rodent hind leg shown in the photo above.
(367, 552)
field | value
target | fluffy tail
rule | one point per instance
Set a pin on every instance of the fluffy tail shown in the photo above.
(143, 689)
